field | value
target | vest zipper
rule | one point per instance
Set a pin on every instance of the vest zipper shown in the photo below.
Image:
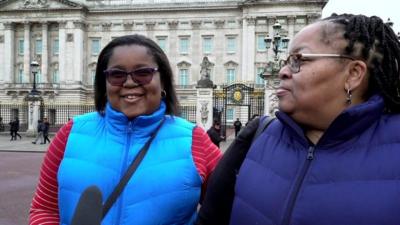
(298, 183)
(124, 168)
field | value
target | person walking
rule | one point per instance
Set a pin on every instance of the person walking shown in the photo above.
(17, 129)
(215, 133)
(13, 130)
(45, 129)
(238, 125)
(39, 135)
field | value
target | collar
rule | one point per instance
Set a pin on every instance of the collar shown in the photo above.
(140, 126)
(348, 124)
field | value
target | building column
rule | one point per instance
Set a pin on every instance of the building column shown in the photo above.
(9, 57)
(173, 46)
(79, 60)
(27, 51)
(45, 56)
(248, 48)
(196, 58)
(62, 37)
(291, 23)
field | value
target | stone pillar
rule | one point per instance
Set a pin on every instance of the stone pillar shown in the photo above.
(291, 23)
(204, 107)
(33, 115)
(9, 57)
(173, 46)
(196, 43)
(62, 37)
(78, 51)
(27, 51)
(150, 29)
(45, 56)
(248, 48)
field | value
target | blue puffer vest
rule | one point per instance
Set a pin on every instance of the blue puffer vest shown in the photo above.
(350, 177)
(165, 188)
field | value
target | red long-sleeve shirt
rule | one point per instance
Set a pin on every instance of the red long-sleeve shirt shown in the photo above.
(44, 207)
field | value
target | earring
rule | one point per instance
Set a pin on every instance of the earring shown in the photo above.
(163, 94)
(348, 99)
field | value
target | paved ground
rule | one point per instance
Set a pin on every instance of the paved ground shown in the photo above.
(19, 171)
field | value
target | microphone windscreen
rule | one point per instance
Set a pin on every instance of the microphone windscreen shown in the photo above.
(89, 208)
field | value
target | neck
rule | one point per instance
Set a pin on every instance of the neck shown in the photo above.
(314, 135)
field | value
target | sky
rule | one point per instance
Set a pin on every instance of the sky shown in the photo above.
(383, 8)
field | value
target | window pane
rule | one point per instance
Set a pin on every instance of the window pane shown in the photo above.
(231, 45)
(162, 42)
(230, 75)
(95, 46)
(183, 76)
(207, 44)
(229, 114)
(56, 46)
(258, 79)
(55, 76)
(38, 77)
(20, 76)
(21, 47)
(38, 47)
(184, 45)
(261, 45)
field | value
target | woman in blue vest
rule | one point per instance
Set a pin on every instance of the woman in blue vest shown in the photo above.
(135, 99)
(332, 155)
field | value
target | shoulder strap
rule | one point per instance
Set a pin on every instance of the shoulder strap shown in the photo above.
(129, 172)
(264, 123)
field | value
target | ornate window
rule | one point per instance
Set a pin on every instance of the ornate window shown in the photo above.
(95, 46)
(184, 45)
(207, 44)
(162, 42)
(231, 44)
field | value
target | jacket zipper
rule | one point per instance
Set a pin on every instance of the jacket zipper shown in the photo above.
(124, 168)
(299, 181)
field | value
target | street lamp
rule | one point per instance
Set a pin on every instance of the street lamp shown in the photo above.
(35, 69)
(278, 44)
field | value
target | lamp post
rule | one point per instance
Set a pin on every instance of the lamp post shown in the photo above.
(35, 69)
(278, 44)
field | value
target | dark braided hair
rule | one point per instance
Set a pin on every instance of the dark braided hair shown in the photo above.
(374, 42)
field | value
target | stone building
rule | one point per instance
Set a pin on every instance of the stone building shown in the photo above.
(66, 36)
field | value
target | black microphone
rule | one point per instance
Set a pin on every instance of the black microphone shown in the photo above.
(89, 208)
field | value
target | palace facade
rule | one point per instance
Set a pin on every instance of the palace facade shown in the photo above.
(66, 36)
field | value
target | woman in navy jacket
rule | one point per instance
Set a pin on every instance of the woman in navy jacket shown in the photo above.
(332, 155)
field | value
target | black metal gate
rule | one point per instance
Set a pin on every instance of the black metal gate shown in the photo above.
(250, 99)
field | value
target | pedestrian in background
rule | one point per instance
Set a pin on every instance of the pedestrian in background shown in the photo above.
(45, 129)
(237, 125)
(215, 133)
(39, 134)
(14, 127)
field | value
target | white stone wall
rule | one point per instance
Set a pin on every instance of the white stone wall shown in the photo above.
(75, 25)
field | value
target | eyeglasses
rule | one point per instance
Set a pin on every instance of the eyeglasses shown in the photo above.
(142, 76)
(294, 60)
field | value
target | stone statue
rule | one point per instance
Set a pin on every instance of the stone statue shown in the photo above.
(35, 3)
(204, 112)
(205, 81)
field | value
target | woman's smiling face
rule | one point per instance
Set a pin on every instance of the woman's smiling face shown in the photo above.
(131, 98)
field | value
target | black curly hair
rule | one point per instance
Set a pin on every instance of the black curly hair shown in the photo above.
(166, 74)
(374, 42)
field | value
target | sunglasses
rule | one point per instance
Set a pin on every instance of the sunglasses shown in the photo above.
(142, 76)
